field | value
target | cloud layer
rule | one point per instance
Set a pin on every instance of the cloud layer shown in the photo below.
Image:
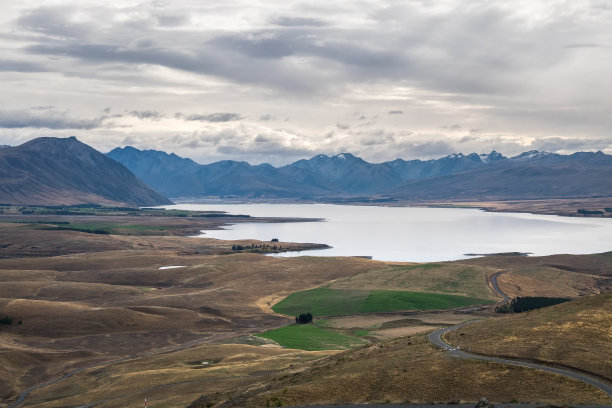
(276, 81)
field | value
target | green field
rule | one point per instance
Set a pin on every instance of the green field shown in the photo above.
(310, 337)
(445, 278)
(333, 302)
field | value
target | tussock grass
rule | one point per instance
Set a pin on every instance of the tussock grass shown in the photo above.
(310, 337)
(576, 334)
(410, 370)
(444, 278)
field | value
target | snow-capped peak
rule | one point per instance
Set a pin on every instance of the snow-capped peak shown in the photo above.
(532, 154)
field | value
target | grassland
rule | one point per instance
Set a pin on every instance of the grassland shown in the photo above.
(311, 337)
(108, 298)
(402, 371)
(576, 334)
(444, 278)
(333, 302)
(85, 298)
(554, 276)
(172, 380)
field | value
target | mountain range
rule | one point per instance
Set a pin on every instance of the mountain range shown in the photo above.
(530, 175)
(64, 171)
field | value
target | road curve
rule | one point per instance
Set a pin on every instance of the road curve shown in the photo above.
(496, 288)
(436, 338)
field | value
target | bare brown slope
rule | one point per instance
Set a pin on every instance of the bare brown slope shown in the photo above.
(576, 334)
(55, 171)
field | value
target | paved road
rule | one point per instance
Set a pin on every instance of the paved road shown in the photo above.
(496, 288)
(436, 338)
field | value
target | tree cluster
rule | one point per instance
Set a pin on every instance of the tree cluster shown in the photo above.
(6, 320)
(523, 304)
(303, 318)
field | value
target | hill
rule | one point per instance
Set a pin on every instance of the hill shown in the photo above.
(575, 334)
(531, 175)
(64, 171)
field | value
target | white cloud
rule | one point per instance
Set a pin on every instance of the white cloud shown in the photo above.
(525, 74)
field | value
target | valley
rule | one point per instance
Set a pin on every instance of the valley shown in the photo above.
(171, 318)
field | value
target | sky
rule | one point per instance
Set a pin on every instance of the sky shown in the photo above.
(276, 81)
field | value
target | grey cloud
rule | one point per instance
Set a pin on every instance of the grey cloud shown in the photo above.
(396, 112)
(171, 20)
(298, 22)
(147, 114)
(584, 45)
(343, 126)
(265, 118)
(453, 127)
(214, 117)
(262, 139)
(21, 66)
(46, 119)
(55, 22)
(556, 144)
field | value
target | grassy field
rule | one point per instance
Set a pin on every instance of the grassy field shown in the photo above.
(310, 337)
(333, 302)
(91, 306)
(533, 280)
(406, 370)
(171, 380)
(554, 276)
(84, 298)
(576, 334)
(446, 278)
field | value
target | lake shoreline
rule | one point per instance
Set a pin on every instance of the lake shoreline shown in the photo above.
(414, 234)
(565, 207)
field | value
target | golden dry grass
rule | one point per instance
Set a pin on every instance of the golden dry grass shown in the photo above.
(408, 370)
(576, 334)
(561, 206)
(106, 297)
(553, 282)
(93, 306)
(171, 380)
(443, 277)
(552, 276)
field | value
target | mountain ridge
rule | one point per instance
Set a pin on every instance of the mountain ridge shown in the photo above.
(65, 171)
(529, 175)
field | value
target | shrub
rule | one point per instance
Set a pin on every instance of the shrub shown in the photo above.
(303, 318)
(6, 320)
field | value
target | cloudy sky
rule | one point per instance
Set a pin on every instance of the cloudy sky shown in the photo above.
(276, 81)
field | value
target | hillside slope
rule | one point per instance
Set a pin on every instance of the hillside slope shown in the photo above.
(575, 334)
(64, 171)
(579, 175)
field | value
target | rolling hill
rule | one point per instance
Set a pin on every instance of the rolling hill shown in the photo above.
(64, 171)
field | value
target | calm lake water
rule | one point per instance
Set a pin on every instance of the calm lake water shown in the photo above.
(415, 234)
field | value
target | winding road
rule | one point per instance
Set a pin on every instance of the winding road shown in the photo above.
(436, 338)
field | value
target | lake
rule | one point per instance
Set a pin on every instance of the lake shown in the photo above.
(413, 233)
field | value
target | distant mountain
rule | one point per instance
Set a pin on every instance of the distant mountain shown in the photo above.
(64, 171)
(490, 176)
(178, 177)
(531, 175)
